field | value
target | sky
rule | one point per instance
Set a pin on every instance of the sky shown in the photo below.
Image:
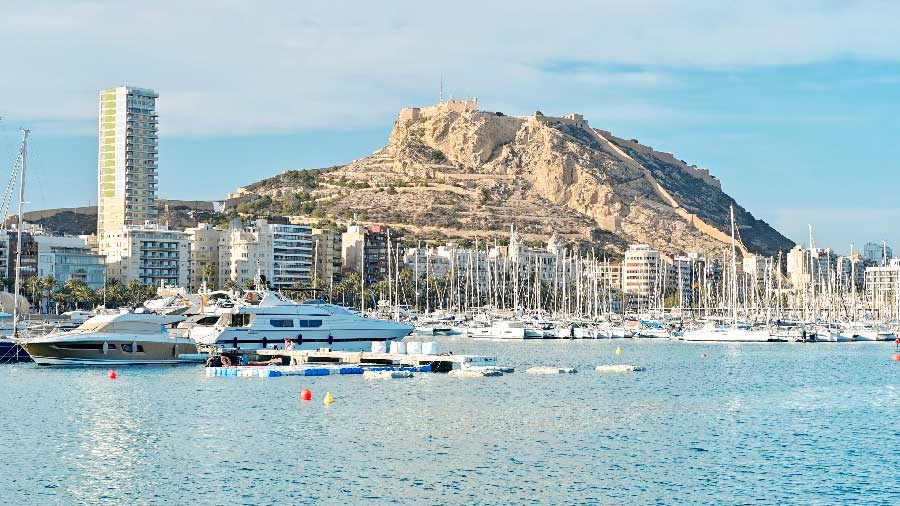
(793, 105)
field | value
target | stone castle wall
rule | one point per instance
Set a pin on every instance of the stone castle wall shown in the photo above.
(451, 105)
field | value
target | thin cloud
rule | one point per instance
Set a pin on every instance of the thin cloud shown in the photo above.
(231, 68)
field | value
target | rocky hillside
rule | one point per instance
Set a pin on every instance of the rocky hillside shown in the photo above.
(454, 170)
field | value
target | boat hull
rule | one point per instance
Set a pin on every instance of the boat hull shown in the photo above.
(336, 339)
(152, 353)
(11, 352)
(728, 336)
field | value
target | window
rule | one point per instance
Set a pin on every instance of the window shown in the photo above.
(282, 323)
(239, 320)
(310, 323)
(81, 346)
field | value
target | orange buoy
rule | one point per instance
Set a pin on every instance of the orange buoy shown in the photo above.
(305, 395)
(111, 374)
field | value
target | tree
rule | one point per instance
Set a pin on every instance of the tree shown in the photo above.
(208, 273)
(137, 293)
(231, 285)
(36, 286)
(113, 293)
(78, 292)
(49, 284)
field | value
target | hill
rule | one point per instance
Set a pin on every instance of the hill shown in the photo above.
(83, 220)
(454, 170)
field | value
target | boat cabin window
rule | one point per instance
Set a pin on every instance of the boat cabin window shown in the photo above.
(310, 323)
(282, 323)
(208, 320)
(81, 346)
(129, 348)
(239, 320)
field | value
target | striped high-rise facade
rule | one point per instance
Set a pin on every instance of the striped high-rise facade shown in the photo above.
(127, 162)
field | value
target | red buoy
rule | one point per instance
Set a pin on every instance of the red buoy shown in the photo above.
(703, 355)
(305, 395)
(111, 374)
(896, 357)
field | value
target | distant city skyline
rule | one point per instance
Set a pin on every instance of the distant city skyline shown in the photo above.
(799, 128)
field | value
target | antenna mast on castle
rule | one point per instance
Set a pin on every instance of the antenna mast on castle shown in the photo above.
(441, 96)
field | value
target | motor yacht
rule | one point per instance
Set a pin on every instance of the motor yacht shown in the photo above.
(506, 329)
(118, 339)
(267, 320)
(727, 333)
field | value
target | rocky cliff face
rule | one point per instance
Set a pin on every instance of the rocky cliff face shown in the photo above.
(459, 171)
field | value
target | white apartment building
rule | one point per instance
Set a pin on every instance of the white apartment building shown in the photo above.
(642, 271)
(150, 254)
(292, 254)
(242, 252)
(204, 247)
(882, 283)
(281, 252)
(127, 161)
(805, 266)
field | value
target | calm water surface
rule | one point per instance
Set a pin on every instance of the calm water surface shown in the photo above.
(752, 423)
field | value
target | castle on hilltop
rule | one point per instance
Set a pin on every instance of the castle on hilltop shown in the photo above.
(452, 105)
(568, 119)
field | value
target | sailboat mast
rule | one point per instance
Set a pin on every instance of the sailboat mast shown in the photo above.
(733, 272)
(18, 277)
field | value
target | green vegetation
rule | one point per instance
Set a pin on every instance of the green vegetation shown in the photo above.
(307, 179)
(298, 203)
(76, 294)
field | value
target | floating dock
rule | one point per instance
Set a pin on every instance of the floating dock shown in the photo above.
(325, 360)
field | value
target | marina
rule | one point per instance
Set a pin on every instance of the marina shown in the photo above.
(514, 253)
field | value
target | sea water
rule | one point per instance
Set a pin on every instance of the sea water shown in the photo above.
(750, 423)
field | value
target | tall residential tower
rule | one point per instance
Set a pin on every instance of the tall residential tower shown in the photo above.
(127, 165)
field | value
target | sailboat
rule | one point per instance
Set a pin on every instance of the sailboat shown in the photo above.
(733, 332)
(10, 351)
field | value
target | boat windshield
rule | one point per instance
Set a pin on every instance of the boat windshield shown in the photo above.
(127, 327)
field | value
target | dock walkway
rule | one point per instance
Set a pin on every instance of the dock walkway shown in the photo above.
(438, 363)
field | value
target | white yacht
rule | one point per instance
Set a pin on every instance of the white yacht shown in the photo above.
(727, 333)
(117, 339)
(268, 320)
(506, 329)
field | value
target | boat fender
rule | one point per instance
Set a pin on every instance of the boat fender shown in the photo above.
(226, 361)
(299, 339)
(330, 339)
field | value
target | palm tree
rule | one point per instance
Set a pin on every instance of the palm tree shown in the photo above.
(231, 285)
(134, 291)
(35, 285)
(49, 284)
(208, 273)
(78, 291)
(113, 293)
